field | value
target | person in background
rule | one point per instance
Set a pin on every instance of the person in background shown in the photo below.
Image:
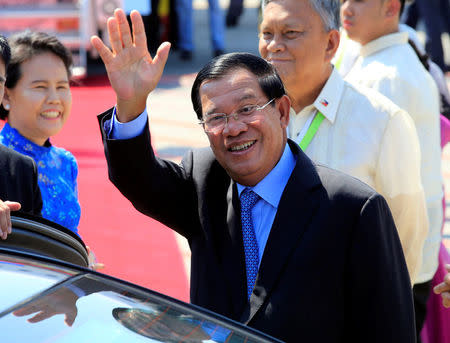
(388, 64)
(435, 15)
(36, 105)
(352, 129)
(19, 189)
(184, 11)
(235, 9)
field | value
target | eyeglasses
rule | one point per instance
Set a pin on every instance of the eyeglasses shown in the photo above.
(215, 122)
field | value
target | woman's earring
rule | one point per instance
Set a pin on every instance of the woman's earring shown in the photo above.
(6, 106)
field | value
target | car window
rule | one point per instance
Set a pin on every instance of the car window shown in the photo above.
(21, 279)
(90, 307)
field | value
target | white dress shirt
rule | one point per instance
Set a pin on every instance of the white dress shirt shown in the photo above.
(349, 51)
(390, 66)
(270, 189)
(367, 136)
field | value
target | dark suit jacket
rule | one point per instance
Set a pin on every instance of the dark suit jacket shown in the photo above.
(18, 180)
(333, 268)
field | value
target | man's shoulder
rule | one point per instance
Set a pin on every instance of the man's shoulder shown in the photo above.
(369, 103)
(338, 183)
(8, 155)
(400, 65)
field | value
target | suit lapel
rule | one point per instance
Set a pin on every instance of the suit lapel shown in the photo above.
(236, 272)
(296, 209)
(221, 221)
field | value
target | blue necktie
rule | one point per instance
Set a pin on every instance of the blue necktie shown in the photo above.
(248, 200)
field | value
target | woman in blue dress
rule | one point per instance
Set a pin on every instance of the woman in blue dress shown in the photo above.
(36, 105)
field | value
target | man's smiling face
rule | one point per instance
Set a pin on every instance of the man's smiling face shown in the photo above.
(293, 38)
(247, 151)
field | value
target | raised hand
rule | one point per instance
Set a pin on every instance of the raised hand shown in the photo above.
(132, 71)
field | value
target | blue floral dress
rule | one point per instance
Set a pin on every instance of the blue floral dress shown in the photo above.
(58, 171)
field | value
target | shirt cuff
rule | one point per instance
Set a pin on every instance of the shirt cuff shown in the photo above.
(78, 291)
(117, 130)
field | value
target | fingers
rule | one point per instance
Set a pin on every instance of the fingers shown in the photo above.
(97, 266)
(446, 299)
(25, 311)
(114, 35)
(139, 37)
(162, 54)
(13, 206)
(124, 28)
(442, 287)
(93, 264)
(120, 34)
(4, 226)
(43, 315)
(104, 52)
(5, 217)
(70, 317)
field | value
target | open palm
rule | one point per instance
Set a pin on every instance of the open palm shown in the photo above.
(132, 71)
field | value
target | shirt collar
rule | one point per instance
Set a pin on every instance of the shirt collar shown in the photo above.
(13, 139)
(272, 186)
(329, 98)
(384, 42)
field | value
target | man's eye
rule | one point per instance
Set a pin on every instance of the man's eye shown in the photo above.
(246, 110)
(266, 35)
(292, 34)
(215, 118)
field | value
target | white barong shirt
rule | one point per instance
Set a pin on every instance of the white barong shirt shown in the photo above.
(390, 66)
(367, 136)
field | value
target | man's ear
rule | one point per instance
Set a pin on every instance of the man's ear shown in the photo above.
(284, 106)
(333, 44)
(393, 8)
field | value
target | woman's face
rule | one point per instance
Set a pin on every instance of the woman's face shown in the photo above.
(40, 103)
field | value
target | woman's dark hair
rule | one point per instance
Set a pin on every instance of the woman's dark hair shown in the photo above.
(24, 46)
(5, 51)
(268, 79)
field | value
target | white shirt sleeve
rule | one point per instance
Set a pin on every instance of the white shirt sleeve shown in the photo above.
(398, 180)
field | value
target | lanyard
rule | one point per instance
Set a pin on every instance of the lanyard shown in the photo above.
(312, 130)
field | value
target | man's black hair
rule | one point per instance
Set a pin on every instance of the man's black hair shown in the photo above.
(268, 79)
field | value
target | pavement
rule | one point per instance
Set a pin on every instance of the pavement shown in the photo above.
(172, 120)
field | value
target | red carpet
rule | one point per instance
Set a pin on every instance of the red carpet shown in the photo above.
(132, 246)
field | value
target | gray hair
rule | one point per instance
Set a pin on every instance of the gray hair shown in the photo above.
(328, 10)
